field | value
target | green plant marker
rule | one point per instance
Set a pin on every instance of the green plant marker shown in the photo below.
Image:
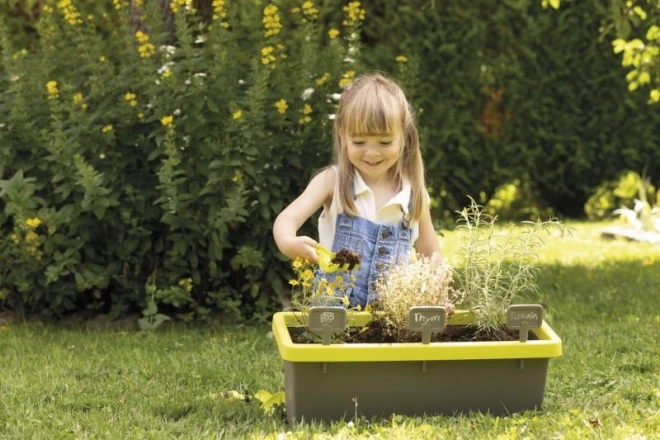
(427, 320)
(524, 317)
(327, 320)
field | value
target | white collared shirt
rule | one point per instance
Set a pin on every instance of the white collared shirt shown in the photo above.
(391, 213)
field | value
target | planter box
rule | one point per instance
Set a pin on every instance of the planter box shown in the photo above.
(342, 381)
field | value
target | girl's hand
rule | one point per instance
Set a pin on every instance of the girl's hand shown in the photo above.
(303, 247)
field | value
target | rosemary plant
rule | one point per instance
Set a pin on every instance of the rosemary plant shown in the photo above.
(499, 263)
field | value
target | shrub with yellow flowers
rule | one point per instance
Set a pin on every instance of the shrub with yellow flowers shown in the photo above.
(155, 142)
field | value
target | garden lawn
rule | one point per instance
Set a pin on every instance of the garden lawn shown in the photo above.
(601, 297)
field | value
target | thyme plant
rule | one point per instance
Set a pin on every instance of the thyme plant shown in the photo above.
(499, 263)
(422, 282)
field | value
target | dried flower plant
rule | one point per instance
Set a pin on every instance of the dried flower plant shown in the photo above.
(499, 264)
(422, 282)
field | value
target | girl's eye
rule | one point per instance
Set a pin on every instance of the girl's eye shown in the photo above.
(386, 142)
(358, 142)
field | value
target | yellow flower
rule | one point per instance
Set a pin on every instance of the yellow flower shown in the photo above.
(71, 15)
(77, 98)
(294, 282)
(333, 33)
(31, 236)
(131, 98)
(271, 21)
(219, 11)
(309, 10)
(145, 48)
(298, 263)
(401, 59)
(347, 78)
(267, 56)
(354, 14)
(167, 120)
(320, 81)
(33, 222)
(237, 114)
(346, 301)
(51, 88)
(107, 128)
(307, 274)
(281, 106)
(655, 95)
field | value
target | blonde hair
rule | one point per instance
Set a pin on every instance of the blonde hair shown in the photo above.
(374, 104)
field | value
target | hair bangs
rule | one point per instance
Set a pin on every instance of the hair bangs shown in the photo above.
(374, 111)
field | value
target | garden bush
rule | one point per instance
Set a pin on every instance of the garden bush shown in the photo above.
(146, 151)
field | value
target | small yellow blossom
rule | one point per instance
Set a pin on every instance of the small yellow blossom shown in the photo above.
(267, 56)
(31, 236)
(131, 98)
(294, 282)
(271, 21)
(401, 59)
(281, 106)
(166, 73)
(346, 301)
(655, 95)
(354, 14)
(102, 59)
(33, 222)
(298, 263)
(145, 48)
(77, 98)
(322, 80)
(347, 78)
(186, 4)
(307, 109)
(167, 120)
(107, 128)
(333, 33)
(309, 11)
(237, 114)
(71, 14)
(219, 11)
(53, 91)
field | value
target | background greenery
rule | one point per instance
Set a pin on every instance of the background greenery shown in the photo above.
(81, 381)
(147, 146)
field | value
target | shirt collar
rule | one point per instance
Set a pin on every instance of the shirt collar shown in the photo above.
(402, 198)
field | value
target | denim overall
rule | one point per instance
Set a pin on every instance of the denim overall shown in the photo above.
(378, 245)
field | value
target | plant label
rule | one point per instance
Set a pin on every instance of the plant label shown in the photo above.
(524, 317)
(327, 320)
(427, 320)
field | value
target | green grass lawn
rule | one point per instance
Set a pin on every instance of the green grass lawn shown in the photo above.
(601, 297)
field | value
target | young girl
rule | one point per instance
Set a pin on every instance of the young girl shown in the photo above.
(374, 199)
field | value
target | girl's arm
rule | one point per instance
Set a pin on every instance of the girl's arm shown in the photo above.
(427, 243)
(318, 193)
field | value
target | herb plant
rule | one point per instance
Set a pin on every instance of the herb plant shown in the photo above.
(499, 264)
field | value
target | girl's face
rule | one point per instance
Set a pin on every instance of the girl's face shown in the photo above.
(374, 154)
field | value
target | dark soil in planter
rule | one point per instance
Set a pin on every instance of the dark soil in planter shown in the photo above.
(382, 331)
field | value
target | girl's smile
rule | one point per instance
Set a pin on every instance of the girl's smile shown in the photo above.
(374, 155)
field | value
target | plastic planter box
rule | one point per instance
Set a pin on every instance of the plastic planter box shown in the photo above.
(342, 381)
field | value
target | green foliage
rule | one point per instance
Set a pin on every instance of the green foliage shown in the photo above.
(637, 26)
(618, 193)
(508, 89)
(155, 147)
(516, 200)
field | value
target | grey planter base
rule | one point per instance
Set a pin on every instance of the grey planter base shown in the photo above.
(327, 391)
